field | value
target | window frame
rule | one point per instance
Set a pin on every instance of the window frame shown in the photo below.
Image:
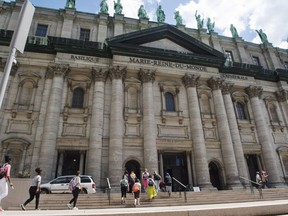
(39, 30)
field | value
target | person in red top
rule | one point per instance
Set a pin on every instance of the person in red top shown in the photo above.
(3, 181)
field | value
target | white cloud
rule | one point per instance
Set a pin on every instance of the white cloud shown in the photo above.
(245, 16)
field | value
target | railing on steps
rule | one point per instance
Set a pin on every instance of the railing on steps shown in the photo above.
(185, 195)
(251, 186)
(109, 190)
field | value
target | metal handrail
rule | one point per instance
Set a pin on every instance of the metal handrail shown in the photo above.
(185, 195)
(109, 190)
(259, 188)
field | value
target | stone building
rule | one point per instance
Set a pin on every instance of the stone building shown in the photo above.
(104, 94)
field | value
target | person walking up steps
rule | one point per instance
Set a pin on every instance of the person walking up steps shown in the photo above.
(34, 190)
(151, 188)
(124, 188)
(75, 186)
(136, 190)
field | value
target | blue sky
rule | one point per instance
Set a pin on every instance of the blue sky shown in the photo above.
(269, 15)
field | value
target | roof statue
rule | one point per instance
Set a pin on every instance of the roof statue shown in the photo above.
(142, 14)
(178, 18)
(70, 4)
(104, 6)
(210, 25)
(118, 7)
(200, 22)
(262, 36)
(233, 31)
(160, 14)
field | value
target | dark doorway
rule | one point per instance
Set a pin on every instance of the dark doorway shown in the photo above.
(133, 165)
(215, 175)
(71, 162)
(176, 165)
(252, 164)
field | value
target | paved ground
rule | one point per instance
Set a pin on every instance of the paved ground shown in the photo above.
(212, 209)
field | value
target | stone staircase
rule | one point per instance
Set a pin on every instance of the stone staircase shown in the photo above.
(100, 200)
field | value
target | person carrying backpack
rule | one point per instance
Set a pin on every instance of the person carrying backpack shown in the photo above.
(5, 169)
(157, 179)
(168, 183)
(76, 188)
(124, 188)
(136, 190)
(151, 188)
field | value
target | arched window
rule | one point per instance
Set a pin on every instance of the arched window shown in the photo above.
(241, 111)
(78, 98)
(169, 102)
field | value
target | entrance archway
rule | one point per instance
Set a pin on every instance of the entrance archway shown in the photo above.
(133, 165)
(215, 175)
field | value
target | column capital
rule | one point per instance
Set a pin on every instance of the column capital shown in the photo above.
(190, 80)
(227, 88)
(99, 74)
(117, 72)
(254, 91)
(57, 70)
(282, 95)
(146, 75)
(215, 83)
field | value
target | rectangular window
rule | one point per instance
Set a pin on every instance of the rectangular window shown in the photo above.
(229, 56)
(256, 61)
(84, 34)
(41, 30)
(286, 65)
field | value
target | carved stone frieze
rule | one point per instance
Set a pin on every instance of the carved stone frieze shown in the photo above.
(99, 74)
(57, 70)
(146, 75)
(254, 91)
(190, 80)
(282, 95)
(227, 88)
(215, 83)
(117, 72)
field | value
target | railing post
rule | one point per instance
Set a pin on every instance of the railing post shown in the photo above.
(109, 190)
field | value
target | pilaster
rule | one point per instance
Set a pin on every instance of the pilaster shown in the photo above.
(68, 16)
(102, 29)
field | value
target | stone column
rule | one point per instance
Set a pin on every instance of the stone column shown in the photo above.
(102, 28)
(116, 125)
(81, 162)
(60, 163)
(235, 134)
(149, 126)
(22, 163)
(199, 147)
(51, 125)
(162, 171)
(94, 154)
(41, 122)
(227, 149)
(189, 168)
(264, 135)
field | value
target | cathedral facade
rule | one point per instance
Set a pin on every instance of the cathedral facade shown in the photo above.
(104, 94)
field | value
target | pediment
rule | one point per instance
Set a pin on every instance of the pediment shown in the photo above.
(167, 43)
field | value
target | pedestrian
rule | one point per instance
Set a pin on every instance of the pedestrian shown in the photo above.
(124, 188)
(131, 180)
(75, 191)
(157, 179)
(151, 188)
(34, 190)
(168, 183)
(137, 190)
(259, 184)
(3, 181)
(264, 179)
(145, 176)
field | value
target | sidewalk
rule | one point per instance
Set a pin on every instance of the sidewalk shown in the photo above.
(275, 207)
